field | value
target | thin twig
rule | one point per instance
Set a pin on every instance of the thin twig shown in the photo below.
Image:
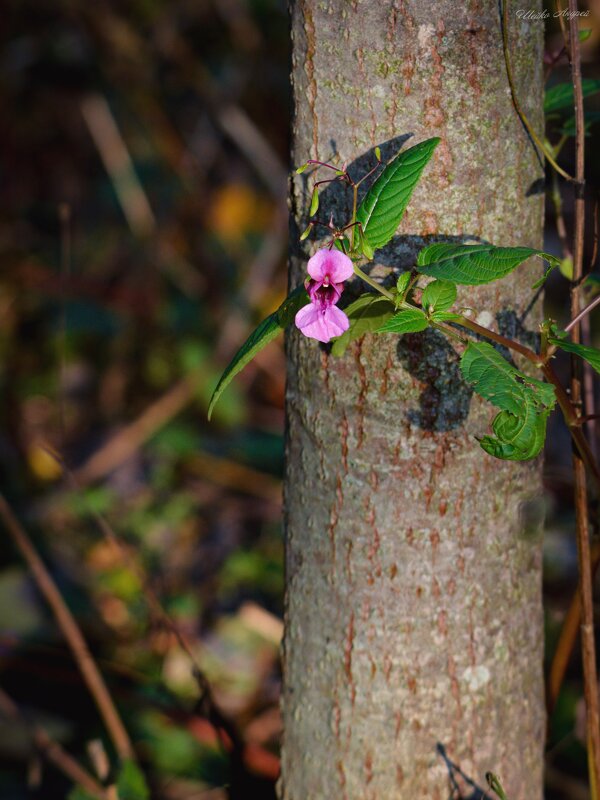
(66, 621)
(583, 313)
(228, 734)
(566, 641)
(596, 235)
(573, 421)
(588, 373)
(588, 649)
(377, 286)
(528, 126)
(589, 402)
(118, 164)
(561, 227)
(51, 750)
(510, 344)
(126, 442)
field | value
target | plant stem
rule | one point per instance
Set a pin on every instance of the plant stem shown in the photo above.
(353, 220)
(229, 736)
(569, 411)
(545, 150)
(566, 641)
(570, 414)
(573, 422)
(72, 633)
(561, 228)
(510, 344)
(574, 323)
(51, 750)
(377, 286)
(588, 650)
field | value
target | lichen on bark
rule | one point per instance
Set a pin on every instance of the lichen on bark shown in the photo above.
(413, 609)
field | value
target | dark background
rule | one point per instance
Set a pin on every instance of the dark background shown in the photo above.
(143, 234)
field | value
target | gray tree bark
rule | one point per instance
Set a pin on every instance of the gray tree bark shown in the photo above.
(413, 612)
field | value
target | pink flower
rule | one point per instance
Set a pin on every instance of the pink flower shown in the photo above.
(321, 319)
(322, 323)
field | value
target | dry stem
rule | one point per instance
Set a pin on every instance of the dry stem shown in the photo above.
(68, 625)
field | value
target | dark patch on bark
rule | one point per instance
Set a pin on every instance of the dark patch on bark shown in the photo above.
(511, 326)
(445, 398)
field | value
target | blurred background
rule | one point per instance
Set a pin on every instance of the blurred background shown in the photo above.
(143, 234)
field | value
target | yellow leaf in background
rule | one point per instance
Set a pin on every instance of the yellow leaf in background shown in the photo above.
(566, 268)
(236, 210)
(43, 463)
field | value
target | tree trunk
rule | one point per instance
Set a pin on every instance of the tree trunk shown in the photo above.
(413, 612)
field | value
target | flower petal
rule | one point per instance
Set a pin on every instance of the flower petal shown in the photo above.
(333, 263)
(321, 323)
(337, 322)
(322, 295)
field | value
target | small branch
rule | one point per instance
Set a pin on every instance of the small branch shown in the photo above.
(561, 227)
(72, 633)
(118, 164)
(227, 732)
(596, 236)
(570, 414)
(510, 344)
(528, 126)
(578, 317)
(127, 441)
(353, 220)
(588, 648)
(51, 750)
(378, 287)
(573, 423)
(566, 641)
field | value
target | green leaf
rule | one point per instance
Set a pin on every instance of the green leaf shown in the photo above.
(492, 376)
(592, 281)
(524, 403)
(402, 285)
(131, 784)
(291, 305)
(473, 264)
(314, 203)
(495, 785)
(306, 232)
(445, 316)
(268, 329)
(544, 277)
(384, 204)
(365, 246)
(366, 314)
(589, 354)
(438, 296)
(569, 127)
(77, 793)
(499, 382)
(518, 438)
(301, 169)
(343, 245)
(561, 95)
(409, 320)
(566, 268)
(584, 34)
